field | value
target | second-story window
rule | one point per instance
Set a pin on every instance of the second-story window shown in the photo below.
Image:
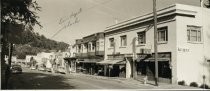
(93, 46)
(82, 46)
(79, 48)
(194, 33)
(123, 40)
(142, 37)
(89, 47)
(97, 46)
(111, 42)
(162, 34)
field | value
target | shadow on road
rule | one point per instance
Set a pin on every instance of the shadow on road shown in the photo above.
(28, 80)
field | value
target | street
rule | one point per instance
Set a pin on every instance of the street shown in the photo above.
(33, 79)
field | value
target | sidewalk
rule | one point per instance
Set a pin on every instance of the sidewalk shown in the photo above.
(135, 82)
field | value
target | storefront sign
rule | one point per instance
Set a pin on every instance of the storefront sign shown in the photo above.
(183, 49)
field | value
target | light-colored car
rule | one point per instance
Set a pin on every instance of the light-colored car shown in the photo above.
(41, 68)
(61, 70)
(33, 68)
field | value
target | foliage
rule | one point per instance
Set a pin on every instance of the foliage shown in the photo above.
(40, 41)
(206, 86)
(193, 84)
(207, 4)
(32, 43)
(181, 82)
(16, 16)
(20, 11)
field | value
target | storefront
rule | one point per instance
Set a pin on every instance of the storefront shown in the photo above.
(88, 66)
(146, 67)
(114, 66)
(70, 65)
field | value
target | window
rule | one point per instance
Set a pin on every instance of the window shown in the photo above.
(97, 46)
(194, 33)
(111, 42)
(162, 34)
(142, 37)
(79, 48)
(123, 40)
(89, 47)
(93, 46)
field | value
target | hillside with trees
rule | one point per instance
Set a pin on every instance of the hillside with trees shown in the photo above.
(31, 43)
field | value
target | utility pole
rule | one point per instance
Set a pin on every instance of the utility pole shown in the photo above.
(155, 42)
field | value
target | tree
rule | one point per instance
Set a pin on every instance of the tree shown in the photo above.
(207, 3)
(16, 13)
(20, 11)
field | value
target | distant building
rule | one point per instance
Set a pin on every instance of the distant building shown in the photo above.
(183, 45)
(70, 59)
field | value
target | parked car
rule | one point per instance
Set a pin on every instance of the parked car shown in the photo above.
(41, 68)
(61, 70)
(48, 69)
(33, 68)
(15, 68)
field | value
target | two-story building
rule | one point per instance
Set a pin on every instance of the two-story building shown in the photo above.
(183, 45)
(70, 59)
(89, 51)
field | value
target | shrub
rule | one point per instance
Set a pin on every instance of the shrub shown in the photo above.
(206, 86)
(193, 84)
(181, 82)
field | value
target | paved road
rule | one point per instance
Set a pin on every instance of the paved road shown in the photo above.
(32, 79)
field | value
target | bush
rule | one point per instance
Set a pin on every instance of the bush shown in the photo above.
(181, 82)
(206, 86)
(193, 84)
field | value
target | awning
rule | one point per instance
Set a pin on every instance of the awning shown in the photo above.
(88, 61)
(70, 58)
(141, 57)
(112, 62)
(153, 59)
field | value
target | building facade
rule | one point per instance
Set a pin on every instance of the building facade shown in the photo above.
(183, 45)
(70, 59)
(86, 53)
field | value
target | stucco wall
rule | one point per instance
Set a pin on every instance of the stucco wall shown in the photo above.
(170, 46)
(191, 65)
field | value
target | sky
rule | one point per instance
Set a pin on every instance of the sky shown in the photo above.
(67, 20)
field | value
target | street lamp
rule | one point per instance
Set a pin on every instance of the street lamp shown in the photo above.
(155, 42)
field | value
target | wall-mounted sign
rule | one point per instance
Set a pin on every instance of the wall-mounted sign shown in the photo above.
(183, 49)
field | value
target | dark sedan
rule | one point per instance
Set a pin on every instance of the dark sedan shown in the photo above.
(16, 69)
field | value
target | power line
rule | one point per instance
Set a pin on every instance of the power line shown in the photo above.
(83, 11)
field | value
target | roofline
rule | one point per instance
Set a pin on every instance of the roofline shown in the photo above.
(140, 16)
(143, 17)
